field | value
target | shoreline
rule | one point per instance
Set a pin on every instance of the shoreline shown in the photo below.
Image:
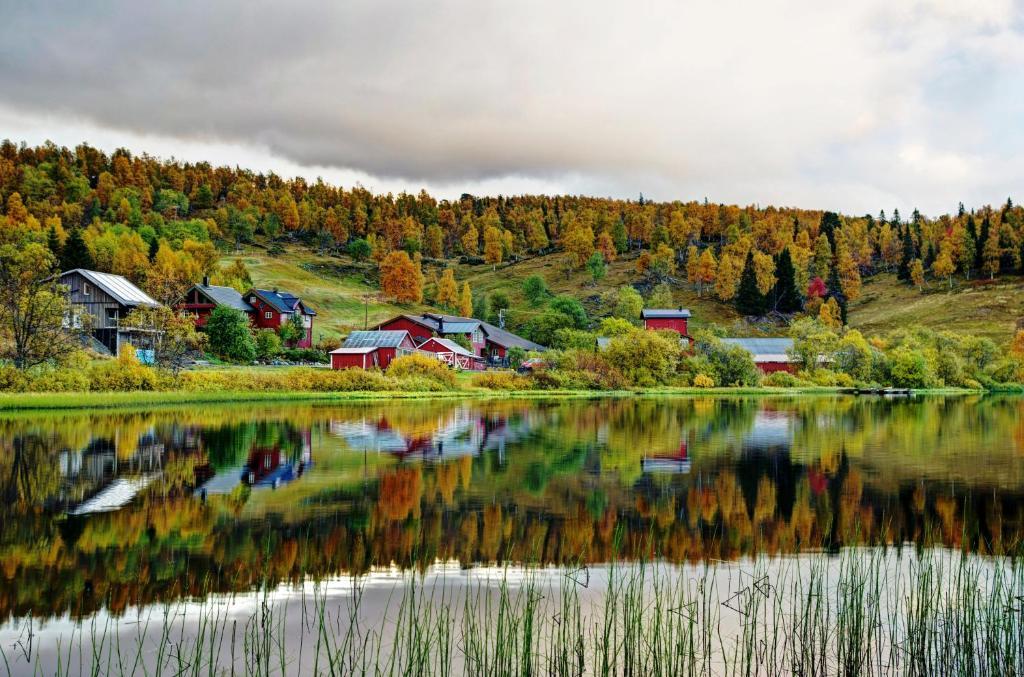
(14, 402)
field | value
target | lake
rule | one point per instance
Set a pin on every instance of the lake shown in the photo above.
(682, 535)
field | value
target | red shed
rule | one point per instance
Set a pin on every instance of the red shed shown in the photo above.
(769, 354)
(452, 354)
(366, 349)
(666, 318)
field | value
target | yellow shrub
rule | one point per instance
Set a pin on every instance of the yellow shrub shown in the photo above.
(500, 380)
(703, 381)
(418, 364)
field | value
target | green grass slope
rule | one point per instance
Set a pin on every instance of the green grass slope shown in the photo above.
(336, 287)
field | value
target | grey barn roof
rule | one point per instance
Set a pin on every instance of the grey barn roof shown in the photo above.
(764, 349)
(664, 313)
(126, 293)
(225, 296)
(376, 339)
(455, 324)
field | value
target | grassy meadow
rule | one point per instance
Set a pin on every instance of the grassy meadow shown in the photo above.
(336, 287)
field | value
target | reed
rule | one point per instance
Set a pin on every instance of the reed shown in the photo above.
(863, 612)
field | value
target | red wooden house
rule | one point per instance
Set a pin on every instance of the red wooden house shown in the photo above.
(367, 349)
(666, 318)
(273, 308)
(201, 299)
(487, 341)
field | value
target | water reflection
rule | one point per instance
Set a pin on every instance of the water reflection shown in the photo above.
(123, 509)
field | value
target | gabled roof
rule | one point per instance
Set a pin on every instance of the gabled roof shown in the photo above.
(764, 349)
(224, 296)
(376, 339)
(446, 325)
(282, 301)
(452, 346)
(126, 293)
(664, 313)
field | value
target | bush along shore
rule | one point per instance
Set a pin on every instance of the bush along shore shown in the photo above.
(633, 361)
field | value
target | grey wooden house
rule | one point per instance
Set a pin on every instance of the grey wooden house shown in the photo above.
(101, 301)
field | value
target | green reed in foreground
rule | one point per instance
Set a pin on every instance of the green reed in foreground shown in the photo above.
(867, 612)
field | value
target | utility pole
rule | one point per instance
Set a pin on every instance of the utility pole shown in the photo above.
(501, 318)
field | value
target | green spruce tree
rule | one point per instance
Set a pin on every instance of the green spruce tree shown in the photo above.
(53, 242)
(835, 291)
(76, 253)
(787, 297)
(749, 299)
(909, 254)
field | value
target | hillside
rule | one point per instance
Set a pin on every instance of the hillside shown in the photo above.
(336, 286)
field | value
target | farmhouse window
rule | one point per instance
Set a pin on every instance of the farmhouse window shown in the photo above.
(268, 315)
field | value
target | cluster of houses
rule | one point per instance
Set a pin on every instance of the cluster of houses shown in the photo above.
(461, 342)
(107, 299)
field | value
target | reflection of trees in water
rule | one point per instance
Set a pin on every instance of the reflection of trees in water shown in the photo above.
(551, 498)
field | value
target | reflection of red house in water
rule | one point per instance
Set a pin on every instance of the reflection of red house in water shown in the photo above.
(678, 462)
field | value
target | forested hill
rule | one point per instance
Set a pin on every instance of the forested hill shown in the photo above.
(164, 224)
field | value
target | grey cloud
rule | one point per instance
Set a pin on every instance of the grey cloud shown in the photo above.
(784, 101)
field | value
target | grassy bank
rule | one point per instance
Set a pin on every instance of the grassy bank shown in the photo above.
(146, 399)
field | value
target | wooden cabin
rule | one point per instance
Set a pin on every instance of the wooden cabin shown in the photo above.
(101, 301)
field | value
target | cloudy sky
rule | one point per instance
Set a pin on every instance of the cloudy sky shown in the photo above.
(856, 105)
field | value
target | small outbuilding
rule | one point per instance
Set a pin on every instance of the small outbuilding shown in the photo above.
(452, 354)
(675, 319)
(366, 349)
(770, 354)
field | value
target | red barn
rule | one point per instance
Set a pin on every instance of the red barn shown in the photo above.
(367, 349)
(272, 308)
(666, 318)
(201, 299)
(769, 354)
(487, 341)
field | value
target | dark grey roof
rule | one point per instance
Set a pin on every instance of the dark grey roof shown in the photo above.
(224, 296)
(126, 293)
(456, 324)
(283, 302)
(766, 349)
(378, 339)
(664, 313)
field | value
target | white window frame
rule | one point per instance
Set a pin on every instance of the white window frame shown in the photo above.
(268, 315)
(477, 336)
(86, 291)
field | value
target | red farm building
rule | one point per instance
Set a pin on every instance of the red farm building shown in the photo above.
(770, 354)
(201, 299)
(368, 349)
(666, 318)
(487, 341)
(452, 354)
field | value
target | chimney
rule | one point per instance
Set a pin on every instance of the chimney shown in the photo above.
(206, 280)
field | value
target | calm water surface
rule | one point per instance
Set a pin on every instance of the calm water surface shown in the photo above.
(103, 514)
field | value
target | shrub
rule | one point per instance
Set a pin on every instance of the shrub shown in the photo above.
(61, 381)
(645, 358)
(268, 344)
(588, 370)
(500, 380)
(12, 379)
(305, 355)
(424, 366)
(703, 381)
(125, 374)
(782, 379)
(910, 369)
(230, 336)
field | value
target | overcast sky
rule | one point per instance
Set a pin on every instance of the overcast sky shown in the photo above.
(855, 105)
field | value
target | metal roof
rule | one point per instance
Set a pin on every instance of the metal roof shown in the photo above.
(283, 302)
(126, 293)
(354, 351)
(764, 349)
(460, 327)
(225, 296)
(451, 346)
(455, 324)
(664, 313)
(377, 339)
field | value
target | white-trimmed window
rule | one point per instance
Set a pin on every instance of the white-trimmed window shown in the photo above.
(269, 315)
(477, 337)
(85, 289)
